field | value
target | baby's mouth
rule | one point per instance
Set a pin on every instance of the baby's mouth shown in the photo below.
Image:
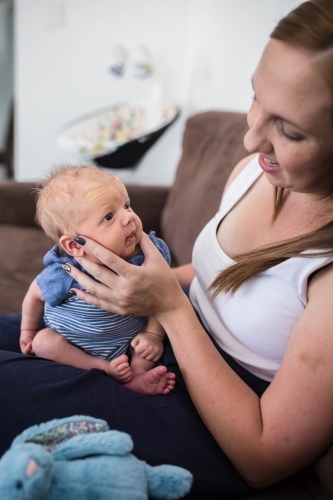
(131, 236)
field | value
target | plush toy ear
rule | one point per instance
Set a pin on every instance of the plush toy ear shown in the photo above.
(101, 443)
(43, 434)
(70, 246)
(31, 468)
(168, 482)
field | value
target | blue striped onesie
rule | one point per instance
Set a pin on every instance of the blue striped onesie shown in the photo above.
(100, 333)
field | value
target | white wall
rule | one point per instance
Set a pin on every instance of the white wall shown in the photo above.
(6, 65)
(204, 50)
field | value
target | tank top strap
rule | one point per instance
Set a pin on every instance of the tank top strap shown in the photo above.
(240, 185)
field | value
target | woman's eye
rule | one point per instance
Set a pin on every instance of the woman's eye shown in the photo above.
(289, 136)
(108, 217)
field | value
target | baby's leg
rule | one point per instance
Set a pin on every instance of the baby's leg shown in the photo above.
(140, 365)
(149, 380)
(48, 343)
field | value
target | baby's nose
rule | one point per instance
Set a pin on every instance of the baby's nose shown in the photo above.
(128, 217)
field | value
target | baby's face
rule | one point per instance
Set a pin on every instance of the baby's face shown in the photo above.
(112, 222)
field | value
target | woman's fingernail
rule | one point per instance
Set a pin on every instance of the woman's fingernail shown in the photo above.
(66, 267)
(81, 241)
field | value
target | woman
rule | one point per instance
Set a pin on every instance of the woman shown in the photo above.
(266, 403)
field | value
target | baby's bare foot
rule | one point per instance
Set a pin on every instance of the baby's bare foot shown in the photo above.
(155, 381)
(120, 369)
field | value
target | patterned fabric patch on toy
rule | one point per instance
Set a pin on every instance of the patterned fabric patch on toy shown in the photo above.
(54, 437)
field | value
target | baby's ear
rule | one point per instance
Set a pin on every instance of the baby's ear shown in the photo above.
(68, 244)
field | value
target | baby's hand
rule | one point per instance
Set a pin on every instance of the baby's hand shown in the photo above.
(147, 346)
(26, 339)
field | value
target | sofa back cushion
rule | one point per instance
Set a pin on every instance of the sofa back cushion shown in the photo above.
(212, 146)
(22, 249)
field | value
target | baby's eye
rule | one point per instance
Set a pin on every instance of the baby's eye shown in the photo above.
(127, 205)
(108, 216)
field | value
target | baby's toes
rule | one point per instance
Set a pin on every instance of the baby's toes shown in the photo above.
(125, 376)
(119, 369)
(170, 383)
(123, 359)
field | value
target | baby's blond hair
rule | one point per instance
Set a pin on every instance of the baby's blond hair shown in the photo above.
(65, 196)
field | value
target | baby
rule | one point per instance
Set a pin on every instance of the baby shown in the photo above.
(84, 200)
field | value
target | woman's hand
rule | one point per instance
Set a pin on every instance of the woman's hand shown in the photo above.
(148, 290)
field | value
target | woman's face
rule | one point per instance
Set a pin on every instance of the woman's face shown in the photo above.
(291, 120)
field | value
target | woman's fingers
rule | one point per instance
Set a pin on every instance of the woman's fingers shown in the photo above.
(107, 257)
(94, 293)
(148, 247)
(112, 292)
(85, 281)
(124, 288)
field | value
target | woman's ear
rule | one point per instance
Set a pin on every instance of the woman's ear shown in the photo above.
(68, 244)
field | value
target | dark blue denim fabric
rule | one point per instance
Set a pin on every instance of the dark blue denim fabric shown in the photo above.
(165, 429)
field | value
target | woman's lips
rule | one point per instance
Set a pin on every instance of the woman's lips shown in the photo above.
(268, 166)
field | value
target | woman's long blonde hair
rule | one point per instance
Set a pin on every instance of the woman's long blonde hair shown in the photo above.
(309, 26)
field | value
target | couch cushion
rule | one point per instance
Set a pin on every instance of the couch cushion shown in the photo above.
(21, 264)
(212, 146)
(17, 203)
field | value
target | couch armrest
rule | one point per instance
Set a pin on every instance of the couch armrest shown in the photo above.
(148, 203)
(17, 203)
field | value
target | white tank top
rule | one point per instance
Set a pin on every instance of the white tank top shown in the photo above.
(254, 324)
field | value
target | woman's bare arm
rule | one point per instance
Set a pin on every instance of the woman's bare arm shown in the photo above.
(184, 274)
(270, 438)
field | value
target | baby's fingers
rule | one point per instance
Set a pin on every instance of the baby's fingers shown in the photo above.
(155, 356)
(26, 348)
(139, 349)
(135, 342)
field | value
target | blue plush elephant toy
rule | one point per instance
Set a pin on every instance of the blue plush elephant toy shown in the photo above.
(80, 458)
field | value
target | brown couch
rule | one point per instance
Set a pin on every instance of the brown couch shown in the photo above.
(212, 145)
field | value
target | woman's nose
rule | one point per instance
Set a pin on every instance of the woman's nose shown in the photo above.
(257, 138)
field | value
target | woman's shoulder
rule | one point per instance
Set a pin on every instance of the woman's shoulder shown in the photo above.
(321, 285)
(239, 168)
